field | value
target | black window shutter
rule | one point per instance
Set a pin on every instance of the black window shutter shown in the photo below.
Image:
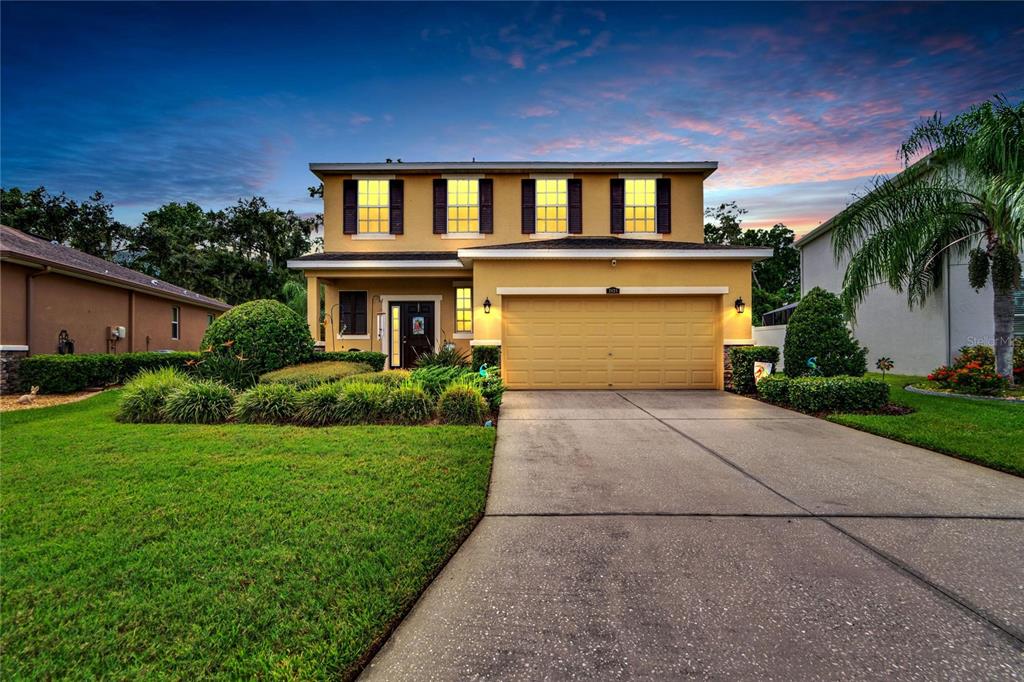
(440, 206)
(350, 200)
(353, 312)
(618, 201)
(487, 206)
(663, 197)
(396, 194)
(574, 187)
(529, 206)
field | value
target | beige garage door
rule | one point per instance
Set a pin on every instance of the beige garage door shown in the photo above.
(611, 341)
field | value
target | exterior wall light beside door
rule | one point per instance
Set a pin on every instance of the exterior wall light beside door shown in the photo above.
(740, 305)
(487, 305)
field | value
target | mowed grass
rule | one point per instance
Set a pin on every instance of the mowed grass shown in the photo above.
(232, 551)
(986, 432)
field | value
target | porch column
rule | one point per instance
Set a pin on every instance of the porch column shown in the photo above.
(313, 306)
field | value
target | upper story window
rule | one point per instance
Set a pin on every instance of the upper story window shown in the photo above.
(552, 206)
(374, 211)
(641, 205)
(463, 206)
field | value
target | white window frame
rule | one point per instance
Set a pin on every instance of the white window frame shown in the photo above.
(564, 182)
(652, 207)
(383, 204)
(464, 333)
(456, 204)
(176, 322)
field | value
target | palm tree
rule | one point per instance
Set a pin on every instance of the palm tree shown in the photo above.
(966, 195)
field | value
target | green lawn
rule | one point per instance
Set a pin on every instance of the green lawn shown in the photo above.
(987, 432)
(169, 551)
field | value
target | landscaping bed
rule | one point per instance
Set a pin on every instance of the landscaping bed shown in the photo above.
(233, 550)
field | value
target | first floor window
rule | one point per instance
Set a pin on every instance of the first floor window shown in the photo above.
(353, 313)
(640, 205)
(209, 319)
(175, 322)
(463, 309)
(374, 207)
(463, 206)
(552, 206)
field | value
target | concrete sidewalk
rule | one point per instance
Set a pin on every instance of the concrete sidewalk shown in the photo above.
(657, 534)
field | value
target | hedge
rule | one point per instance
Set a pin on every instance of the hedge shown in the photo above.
(366, 357)
(837, 394)
(774, 388)
(70, 373)
(486, 355)
(743, 359)
(313, 373)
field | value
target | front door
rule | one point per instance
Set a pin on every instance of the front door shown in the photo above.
(412, 331)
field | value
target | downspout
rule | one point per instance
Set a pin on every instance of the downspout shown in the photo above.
(949, 315)
(131, 321)
(28, 305)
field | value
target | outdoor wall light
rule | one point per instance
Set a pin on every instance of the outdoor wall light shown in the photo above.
(487, 305)
(740, 305)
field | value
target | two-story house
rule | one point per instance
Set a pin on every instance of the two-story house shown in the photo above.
(587, 275)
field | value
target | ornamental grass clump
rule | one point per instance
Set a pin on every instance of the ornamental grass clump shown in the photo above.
(319, 406)
(199, 402)
(462, 404)
(143, 398)
(267, 404)
(409, 404)
(363, 403)
(437, 378)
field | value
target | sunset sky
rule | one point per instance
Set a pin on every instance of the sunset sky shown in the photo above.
(801, 104)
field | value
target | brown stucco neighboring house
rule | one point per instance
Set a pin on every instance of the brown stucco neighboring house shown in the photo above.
(47, 288)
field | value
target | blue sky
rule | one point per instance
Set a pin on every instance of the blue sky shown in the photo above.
(800, 103)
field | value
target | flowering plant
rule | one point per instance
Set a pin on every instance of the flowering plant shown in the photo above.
(970, 377)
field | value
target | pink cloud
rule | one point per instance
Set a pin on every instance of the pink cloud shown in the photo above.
(949, 43)
(537, 111)
(516, 60)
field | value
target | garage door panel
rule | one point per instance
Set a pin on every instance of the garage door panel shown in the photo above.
(620, 341)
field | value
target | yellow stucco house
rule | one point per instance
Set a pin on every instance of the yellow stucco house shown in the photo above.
(587, 275)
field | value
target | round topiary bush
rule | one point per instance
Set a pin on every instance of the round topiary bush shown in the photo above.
(818, 330)
(268, 334)
(462, 404)
(199, 402)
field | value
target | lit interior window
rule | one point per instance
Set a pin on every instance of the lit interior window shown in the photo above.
(463, 205)
(463, 309)
(374, 207)
(552, 206)
(396, 336)
(640, 205)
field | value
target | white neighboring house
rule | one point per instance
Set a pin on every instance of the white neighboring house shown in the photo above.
(920, 339)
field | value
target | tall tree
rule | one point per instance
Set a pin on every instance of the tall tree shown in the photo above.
(966, 193)
(88, 226)
(776, 279)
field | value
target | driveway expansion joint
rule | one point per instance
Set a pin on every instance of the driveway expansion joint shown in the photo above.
(767, 515)
(1013, 634)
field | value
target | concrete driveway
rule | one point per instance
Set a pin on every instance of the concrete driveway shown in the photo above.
(657, 534)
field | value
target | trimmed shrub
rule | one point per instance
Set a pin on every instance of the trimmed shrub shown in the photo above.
(448, 356)
(199, 402)
(743, 359)
(267, 404)
(70, 373)
(461, 404)
(437, 378)
(143, 398)
(409, 404)
(269, 334)
(838, 394)
(363, 402)
(313, 373)
(774, 388)
(817, 330)
(392, 378)
(486, 355)
(372, 358)
(319, 406)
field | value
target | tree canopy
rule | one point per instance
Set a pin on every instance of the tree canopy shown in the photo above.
(88, 226)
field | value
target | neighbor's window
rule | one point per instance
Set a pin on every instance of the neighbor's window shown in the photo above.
(1018, 311)
(374, 212)
(463, 206)
(353, 313)
(175, 322)
(552, 206)
(209, 319)
(463, 309)
(640, 205)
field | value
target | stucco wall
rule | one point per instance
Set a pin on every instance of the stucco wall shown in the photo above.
(773, 335)
(687, 213)
(12, 304)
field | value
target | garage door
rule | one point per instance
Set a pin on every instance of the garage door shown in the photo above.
(610, 341)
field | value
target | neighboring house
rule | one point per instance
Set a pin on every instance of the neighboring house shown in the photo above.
(48, 289)
(587, 275)
(919, 339)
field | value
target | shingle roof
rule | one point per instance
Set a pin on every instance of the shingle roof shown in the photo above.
(705, 168)
(17, 245)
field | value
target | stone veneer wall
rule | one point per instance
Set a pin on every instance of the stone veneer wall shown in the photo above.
(9, 362)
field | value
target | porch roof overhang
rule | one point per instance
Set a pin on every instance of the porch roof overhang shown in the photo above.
(378, 260)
